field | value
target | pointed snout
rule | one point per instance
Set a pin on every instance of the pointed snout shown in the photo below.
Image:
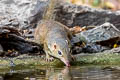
(66, 62)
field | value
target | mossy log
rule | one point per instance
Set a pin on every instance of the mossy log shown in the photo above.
(81, 59)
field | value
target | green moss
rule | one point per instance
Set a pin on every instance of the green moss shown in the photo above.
(92, 59)
(104, 59)
(26, 60)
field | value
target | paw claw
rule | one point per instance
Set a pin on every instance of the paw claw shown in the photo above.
(49, 59)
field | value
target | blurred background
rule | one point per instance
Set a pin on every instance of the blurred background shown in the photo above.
(105, 4)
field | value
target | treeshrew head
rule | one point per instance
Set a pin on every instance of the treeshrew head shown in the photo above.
(61, 50)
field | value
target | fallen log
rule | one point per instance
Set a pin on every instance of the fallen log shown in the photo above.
(13, 43)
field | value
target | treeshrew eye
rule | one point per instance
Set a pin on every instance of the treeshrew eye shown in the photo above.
(59, 53)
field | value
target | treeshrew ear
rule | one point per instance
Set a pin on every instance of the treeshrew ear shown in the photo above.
(55, 46)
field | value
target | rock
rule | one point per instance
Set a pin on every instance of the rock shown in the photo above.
(114, 50)
(94, 48)
(21, 13)
(13, 44)
(98, 39)
(100, 33)
(89, 48)
(1, 48)
(74, 15)
(24, 14)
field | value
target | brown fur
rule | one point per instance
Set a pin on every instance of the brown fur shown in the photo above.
(51, 33)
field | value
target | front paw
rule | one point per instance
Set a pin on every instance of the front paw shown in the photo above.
(73, 58)
(49, 59)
